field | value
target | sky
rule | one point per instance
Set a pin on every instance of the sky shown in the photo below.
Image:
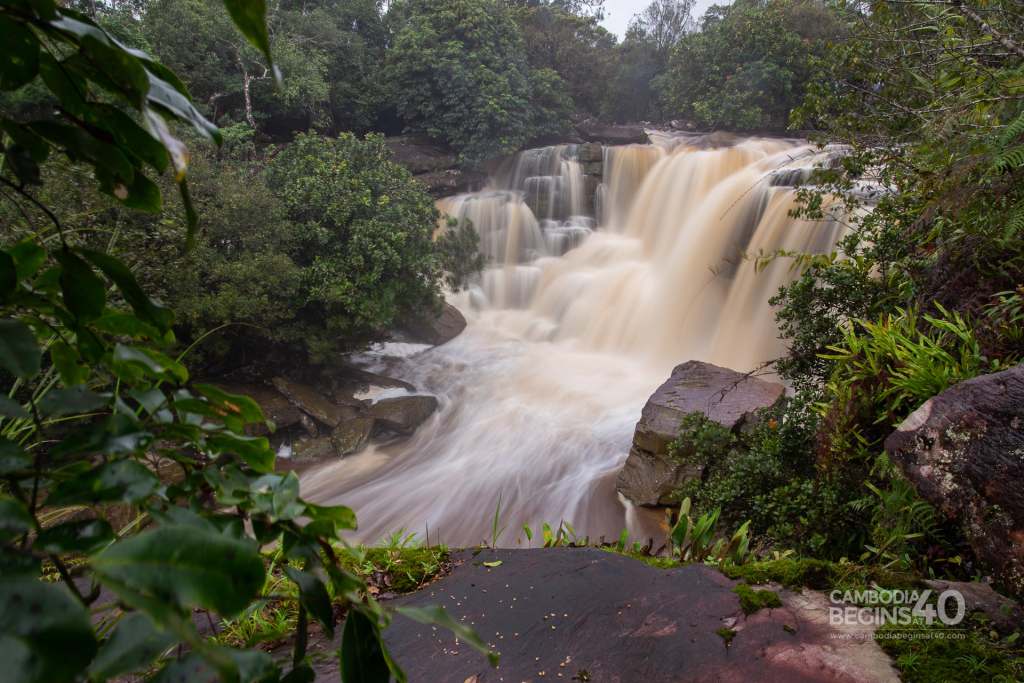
(617, 13)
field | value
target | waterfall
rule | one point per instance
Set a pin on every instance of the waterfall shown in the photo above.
(604, 271)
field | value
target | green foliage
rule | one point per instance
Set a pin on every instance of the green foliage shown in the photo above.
(753, 600)
(569, 42)
(726, 634)
(360, 235)
(748, 65)
(944, 654)
(116, 465)
(329, 55)
(698, 540)
(458, 72)
(805, 572)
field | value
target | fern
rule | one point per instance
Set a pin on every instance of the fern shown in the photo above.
(1010, 158)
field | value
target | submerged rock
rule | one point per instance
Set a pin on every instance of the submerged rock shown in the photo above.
(402, 414)
(436, 329)
(964, 452)
(651, 476)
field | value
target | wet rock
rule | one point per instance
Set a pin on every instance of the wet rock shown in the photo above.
(418, 154)
(436, 329)
(611, 134)
(450, 181)
(593, 168)
(352, 435)
(964, 452)
(1004, 614)
(351, 380)
(585, 614)
(650, 475)
(347, 438)
(314, 403)
(402, 414)
(590, 151)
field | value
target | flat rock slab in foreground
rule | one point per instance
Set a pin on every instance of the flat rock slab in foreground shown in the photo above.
(589, 615)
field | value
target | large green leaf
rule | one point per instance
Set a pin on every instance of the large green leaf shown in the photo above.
(45, 634)
(77, 399)
(236, 404)
(19, 352)
(122, 276)
(327, 521)
(250, 16)
(12, 457)
(362, 654)
(254, 450)
(28, 256)
(122, 480)
(82, 536)
(84, 292)
(11, 408)
(133, 363)
(14, 519)
(187, 564)
(134, 644)
(278, 496)
(21, 54)
(313, 596)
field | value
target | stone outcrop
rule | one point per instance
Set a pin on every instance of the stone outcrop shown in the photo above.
(589, 615)
(651, 474)
(611, 134)
(322, 419)
(314, 403)
(436, 329)
(433, 165)
(964, 452)
(402, 414)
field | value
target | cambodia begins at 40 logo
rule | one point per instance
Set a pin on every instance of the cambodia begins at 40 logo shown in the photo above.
(879, 607)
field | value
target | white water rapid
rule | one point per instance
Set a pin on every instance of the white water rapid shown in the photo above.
(573, 326)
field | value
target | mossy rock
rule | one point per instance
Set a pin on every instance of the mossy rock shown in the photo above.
(806, 572)
(753, 600)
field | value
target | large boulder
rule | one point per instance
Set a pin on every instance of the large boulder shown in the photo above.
(651, 475)
(611, 134)
(402, 414)
(437, 328)
(314, 403)
(964, 452)
(348, 437)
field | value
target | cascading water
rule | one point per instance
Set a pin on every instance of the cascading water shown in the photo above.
(571, 328)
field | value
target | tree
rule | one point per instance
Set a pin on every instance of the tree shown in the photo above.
(458, 72)
(663, 23)
(119, 472)
(569, 41)
(749, 64)
(329, 54)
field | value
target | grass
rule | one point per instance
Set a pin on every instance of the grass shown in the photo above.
(752, 600)
(727, 634)
(819, 574)
(399, 566)
(929, 654)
